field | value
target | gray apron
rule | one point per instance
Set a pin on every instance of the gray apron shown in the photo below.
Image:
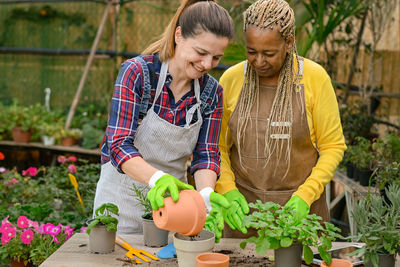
(164, 146)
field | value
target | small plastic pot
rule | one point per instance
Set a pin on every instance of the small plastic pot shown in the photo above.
(187, 216)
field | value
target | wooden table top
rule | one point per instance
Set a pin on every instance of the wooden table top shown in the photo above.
(75, 253)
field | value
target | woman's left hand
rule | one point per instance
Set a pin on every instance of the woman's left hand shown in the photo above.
(215, 220)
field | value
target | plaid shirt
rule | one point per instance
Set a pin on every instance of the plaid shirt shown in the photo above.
(127, 106)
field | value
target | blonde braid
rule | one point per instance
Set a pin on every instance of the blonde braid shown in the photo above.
(270, 14)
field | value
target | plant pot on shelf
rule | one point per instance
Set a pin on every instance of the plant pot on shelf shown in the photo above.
(20, 263)
(21, 136)
(188, 247)
(363, 176)
(212, 260)
(187, 216)
(152, 235)
(289, 256)
(350, 170)
(101, 241)
(337, 263)
(384, 260)
(48, 140)
(69, 141)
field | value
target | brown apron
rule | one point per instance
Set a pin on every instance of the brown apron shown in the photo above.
(266, 183)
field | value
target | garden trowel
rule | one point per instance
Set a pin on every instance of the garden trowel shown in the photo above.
(139, 253)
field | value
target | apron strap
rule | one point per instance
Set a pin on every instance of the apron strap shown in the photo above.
(190, 113)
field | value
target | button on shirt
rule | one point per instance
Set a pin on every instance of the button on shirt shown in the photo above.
(124, 115)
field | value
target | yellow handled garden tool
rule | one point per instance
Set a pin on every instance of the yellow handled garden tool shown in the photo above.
(74, 183)
(140, 253)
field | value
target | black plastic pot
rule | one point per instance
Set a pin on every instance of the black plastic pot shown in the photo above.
(385, 260)
(363, 176)
(350, 170)
(289, 257)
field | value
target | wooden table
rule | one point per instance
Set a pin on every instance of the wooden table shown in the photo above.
(75, 253)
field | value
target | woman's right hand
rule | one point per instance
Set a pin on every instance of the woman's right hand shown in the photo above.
(163, 184)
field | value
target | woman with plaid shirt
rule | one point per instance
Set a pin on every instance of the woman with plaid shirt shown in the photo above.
(165, 108)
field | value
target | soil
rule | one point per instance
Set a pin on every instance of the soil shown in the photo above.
(234, 260)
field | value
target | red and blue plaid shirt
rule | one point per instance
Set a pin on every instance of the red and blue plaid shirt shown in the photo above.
(127, 110)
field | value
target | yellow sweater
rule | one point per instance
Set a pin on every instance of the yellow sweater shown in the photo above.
(323, 120)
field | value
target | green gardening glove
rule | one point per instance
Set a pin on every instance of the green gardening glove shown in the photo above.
(215, 219)
(234, 215)
(163, 183)
(300, 207)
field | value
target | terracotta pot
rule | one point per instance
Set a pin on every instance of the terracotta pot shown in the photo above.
(338, 263)
(69, 141)
(212, 260)
(187, 216)
(21, 136)
(14, 263)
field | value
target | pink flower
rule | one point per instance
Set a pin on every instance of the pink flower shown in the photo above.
(55, 230)
(71, 159)
(55, 239)
(12, 182)
(5, 227)
(8, 234)
(22, 222)
(72, 168)
(31, 171)
(68, 231)
(47, 228)
(5, 220)
(61, 159)
(83, 229)
(27, 236)
(2, 169)
(33, 224)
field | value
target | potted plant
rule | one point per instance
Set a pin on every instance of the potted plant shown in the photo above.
(378, 226)
(69, 137)
(102, 229)
(29, 242)
(362, 158)
(277, 229)
(152, 235)
(22, 121)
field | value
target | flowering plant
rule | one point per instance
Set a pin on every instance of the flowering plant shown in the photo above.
(30, 241)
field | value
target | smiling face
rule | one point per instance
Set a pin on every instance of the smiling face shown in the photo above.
(266, 51)
(196, 55)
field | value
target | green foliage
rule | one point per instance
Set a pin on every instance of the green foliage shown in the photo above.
(324, 17)
(276, 227)
(360, 154)
(104, 216)
(387, 174)
(141, 197)
(378, 225)
(49, 196)
(355, 122)
(26, 117)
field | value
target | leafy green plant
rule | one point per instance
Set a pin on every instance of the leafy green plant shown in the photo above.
(388, 174)
(361, 153)
(103, 216)
(141, 197)
(378, 225)
(276, 228)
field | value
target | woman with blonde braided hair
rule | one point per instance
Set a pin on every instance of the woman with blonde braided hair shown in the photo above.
(281, 138)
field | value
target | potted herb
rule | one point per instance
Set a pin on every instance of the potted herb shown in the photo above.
(277, 229)
(69, 137)
(378, 226)
(102, 229)
(152, 235)
(362, 158)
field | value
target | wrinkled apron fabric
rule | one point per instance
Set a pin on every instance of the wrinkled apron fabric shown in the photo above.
(163, 145)
(268, 183)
